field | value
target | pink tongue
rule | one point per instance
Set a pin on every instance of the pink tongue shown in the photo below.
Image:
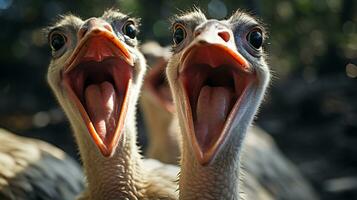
(101, 105)
(213, 106)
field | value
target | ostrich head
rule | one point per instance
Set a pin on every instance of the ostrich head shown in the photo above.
(155, 83)
(95, 73)
(218, 76)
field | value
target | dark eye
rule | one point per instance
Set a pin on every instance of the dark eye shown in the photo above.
(130, 30)
(255, 39)
(57, 41)
(179, 35)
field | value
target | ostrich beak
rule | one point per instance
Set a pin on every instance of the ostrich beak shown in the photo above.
(97, 78)
(155, 81)
(214, 78)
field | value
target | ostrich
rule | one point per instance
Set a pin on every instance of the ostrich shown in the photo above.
(96, 73)
(32, 169)
(158, 110)
(218, 76)
(261, 158)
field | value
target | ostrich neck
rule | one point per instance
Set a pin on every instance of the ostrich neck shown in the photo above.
(108, 177)
(158, 132)
(219, 180)
(164, 144)
(164, 141)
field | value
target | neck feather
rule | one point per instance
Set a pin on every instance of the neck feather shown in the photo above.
(219, 180)
(108, 177)
(164, 136)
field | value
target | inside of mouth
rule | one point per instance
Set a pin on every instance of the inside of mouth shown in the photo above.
(101, 87)
(214, 84)
(159, 86)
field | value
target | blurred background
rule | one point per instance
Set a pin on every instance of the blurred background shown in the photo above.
(311, 108)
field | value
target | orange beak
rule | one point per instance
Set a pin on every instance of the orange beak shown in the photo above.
(97, 78)
(214, 78)
(155, 81)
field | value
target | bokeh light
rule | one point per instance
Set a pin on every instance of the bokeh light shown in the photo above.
(217, 9)
(351, 70)
(310, 108)
(5, 4)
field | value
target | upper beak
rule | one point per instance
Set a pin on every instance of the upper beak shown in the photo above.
(211, 36)
(98, 31)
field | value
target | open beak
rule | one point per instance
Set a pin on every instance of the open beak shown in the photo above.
(214, 78)
(97, 77)
(155, 81)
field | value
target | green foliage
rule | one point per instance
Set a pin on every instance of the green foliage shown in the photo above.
(304, 34)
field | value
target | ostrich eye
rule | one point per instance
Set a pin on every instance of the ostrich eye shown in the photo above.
(179, 35)
(57, 41)
(255, 39)
(130, 30)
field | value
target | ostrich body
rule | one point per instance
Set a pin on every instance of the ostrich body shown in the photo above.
(262, 162)
(32, 169)
(96, 73)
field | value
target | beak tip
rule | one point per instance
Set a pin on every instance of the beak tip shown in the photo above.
(131, 61)
(205, 160)
(106, 152)
(202, 42)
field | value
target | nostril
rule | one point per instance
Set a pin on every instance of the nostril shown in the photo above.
(197, 33)
(224, 35)
(108, 27)
(82, 32)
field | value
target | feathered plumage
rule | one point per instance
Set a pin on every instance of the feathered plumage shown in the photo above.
(32, 169)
